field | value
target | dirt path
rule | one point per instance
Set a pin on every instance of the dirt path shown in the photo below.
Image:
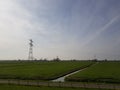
(62, 84)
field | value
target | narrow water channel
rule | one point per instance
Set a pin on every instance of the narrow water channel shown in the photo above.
(62, 79)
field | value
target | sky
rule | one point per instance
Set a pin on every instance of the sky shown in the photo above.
(69, 29)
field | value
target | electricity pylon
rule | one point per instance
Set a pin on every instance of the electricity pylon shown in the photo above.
(30, 56)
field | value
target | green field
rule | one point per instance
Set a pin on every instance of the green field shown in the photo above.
(36, 70)
(100, 72)
(15, 87)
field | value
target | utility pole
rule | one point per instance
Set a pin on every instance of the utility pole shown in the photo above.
(30, 56)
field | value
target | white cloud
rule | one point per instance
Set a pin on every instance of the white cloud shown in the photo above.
(17, 25)
(13, 20)
(54, 34)
(101, 30)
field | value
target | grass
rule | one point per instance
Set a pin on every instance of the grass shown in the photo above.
(101, 72)
(15, 87)
(36, 70)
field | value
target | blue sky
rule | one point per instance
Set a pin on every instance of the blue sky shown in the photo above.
(70, 29)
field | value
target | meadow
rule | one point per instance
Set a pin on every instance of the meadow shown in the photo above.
(15, 87)
(36, 70)
(108, 71)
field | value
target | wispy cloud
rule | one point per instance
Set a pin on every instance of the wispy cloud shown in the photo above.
(62, 28)
(101, 30)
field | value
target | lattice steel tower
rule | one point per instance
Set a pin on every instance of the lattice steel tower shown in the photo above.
(30, 56)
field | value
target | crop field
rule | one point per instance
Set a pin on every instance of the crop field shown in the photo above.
(36, 70)
(101, 72)
(15, 87)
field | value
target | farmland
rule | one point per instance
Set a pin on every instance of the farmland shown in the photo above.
(36, 70)
(101, 72)
(16, 87)
(15, 74)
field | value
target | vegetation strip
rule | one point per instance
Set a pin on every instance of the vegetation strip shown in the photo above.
(59, 84)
